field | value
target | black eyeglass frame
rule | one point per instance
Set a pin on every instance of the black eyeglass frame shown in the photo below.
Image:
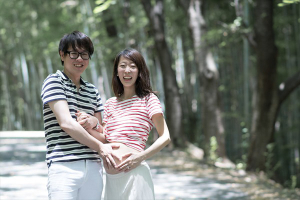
(69, 52)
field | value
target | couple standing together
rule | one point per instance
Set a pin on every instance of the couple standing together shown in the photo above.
(77, 137)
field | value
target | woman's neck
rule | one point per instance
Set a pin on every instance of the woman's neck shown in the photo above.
(128, 93)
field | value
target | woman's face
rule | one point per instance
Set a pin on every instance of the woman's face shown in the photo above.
(127, 72)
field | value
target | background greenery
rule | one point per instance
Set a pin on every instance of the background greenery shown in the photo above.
(30, 31)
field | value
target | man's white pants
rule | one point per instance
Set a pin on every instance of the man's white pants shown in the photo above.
(75, 180)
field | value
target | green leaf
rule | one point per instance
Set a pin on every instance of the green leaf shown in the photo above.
(281, 4)
(104, 6)
(288, 1)
(99, 2)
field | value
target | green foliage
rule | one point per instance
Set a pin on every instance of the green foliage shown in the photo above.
(288, 2)
(270, 167)
(213, 149)
(35, 27)
(102, 5)
(294, 182)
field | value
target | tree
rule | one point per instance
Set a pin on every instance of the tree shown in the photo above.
(211, 120)
(155, 14)
(267, 95)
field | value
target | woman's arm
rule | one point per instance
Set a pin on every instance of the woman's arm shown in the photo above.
(88, 121)
(97, 135)
(163, 139)
(92, 124)
(134, 160)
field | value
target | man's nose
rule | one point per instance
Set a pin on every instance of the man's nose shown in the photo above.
(79, 57)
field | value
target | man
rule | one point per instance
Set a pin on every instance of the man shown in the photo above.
(73, 155)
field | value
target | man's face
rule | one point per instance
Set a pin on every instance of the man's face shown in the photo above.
(75, 61)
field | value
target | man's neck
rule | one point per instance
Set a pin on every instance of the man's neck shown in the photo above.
(75, 79)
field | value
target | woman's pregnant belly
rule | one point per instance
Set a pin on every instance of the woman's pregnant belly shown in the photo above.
(120, 152)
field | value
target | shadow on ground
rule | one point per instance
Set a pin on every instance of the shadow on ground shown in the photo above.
(23, 172)
(23, 175)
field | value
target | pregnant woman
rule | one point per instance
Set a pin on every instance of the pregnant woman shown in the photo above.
(127, 121)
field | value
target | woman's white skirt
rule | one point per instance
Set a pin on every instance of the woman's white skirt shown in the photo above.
(136, 184)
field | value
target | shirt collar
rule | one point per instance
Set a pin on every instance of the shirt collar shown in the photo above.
(66, 78)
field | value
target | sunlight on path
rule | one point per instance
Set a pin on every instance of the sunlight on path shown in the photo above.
(170, 185)
(19, 181)
(23, 176)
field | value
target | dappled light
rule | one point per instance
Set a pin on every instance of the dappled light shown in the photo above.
(176, 175)
(226, 74)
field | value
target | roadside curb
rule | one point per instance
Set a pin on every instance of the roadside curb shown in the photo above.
(22, 134)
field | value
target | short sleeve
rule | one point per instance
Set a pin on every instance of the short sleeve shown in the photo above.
(106, 112)
(99, 102)
(153, 105)
(52, 90)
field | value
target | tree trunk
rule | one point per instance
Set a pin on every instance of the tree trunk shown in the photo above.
(267, 96)
(26, 93)
(155, 15)
(110, 27)
(6, 117)
(211, 119)
(190, 97)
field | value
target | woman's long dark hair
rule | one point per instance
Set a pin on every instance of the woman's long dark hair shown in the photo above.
(142, 84)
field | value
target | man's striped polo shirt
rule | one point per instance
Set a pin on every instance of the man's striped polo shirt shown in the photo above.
(60, 146)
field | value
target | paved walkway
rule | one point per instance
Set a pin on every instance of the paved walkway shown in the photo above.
(23, 174)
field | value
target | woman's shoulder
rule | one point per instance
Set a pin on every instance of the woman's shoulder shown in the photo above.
(151, 96)
(111, 100)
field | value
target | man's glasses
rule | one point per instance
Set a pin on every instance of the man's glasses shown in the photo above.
(75, 55)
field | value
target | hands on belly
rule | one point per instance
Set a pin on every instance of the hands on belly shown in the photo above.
(130, 159)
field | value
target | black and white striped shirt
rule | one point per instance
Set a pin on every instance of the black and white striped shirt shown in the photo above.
(60, 146)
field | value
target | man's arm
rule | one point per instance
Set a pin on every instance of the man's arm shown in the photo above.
(92, 124)
(75, 130)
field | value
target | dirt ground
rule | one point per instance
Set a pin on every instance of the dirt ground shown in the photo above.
(175, 174)
(256, 186)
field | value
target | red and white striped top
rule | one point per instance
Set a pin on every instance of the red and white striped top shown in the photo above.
(129, 121)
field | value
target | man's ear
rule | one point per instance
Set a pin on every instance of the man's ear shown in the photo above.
(62, 55)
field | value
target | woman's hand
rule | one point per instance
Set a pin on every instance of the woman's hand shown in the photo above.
(132, 160)
(85, 120)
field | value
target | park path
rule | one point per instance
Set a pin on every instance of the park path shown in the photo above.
(23, 174)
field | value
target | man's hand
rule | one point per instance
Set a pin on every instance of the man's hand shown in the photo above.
(85, 120)
(108, 156)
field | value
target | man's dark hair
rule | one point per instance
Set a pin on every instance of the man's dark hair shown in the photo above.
(77, 40)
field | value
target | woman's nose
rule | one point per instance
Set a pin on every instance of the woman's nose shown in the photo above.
(127, 69)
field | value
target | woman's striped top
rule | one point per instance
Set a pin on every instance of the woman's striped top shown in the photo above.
(60, 146)
(129, 121)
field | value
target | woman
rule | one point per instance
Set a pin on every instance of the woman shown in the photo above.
(128, 119)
